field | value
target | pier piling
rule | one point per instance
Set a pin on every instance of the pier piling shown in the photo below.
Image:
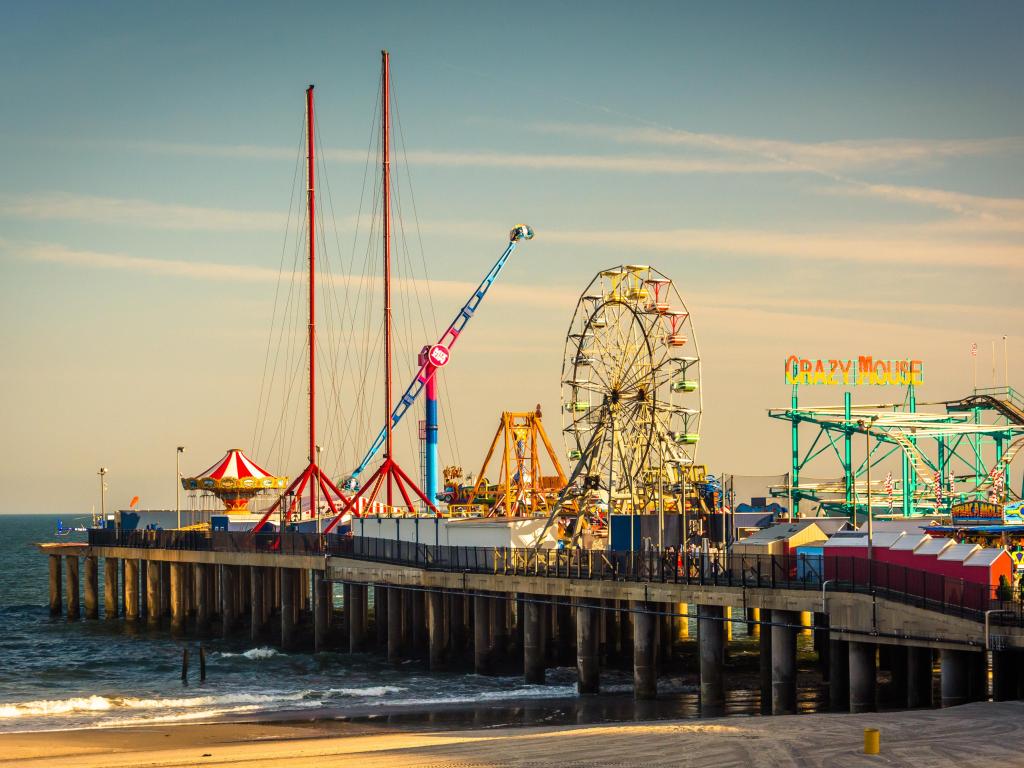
(919, 677)
(71, 586)
(111, 580)
(645, 682)
(131, 590)
(435, 629)
(839, 675)
(863, 676)
(287, 577)
(394, 644)
(711, 639)
(55, 586)
(321, 609)
(784, 662)
(533, 648)
(481, 635)
(588, 679)
(764, 647)
(954, 677)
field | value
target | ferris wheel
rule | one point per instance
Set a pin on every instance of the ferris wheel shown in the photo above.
(631, 388)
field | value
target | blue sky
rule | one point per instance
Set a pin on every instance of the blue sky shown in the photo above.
(827, 180)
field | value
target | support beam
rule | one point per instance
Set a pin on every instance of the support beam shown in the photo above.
(588, 628)
(131, 590)
(71, 587)
(839, 675)
(954, 677)
(533, 647)
(111, 591)
(55, 586)
(435, 629)
(645, 681)
(711, 639)
(92, 587)
(784, 662)
(863, 677)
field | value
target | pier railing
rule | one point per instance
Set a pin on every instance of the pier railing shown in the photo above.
(932, 591)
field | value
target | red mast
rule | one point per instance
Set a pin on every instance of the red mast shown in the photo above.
(385, 111)
(311, 203)
(389, 471)
(311, 477)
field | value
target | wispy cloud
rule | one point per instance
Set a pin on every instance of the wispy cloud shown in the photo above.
(826, 156)
(635, 164)
(994, 212)
(53, 253)
(136, 212)
(809, 248)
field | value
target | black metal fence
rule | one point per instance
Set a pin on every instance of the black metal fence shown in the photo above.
(910, 586)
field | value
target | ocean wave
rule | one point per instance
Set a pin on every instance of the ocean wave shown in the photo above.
(373, 690)
(253, 654)
(527, 692)
(96, 704)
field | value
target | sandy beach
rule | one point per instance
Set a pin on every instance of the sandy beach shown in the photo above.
(974, 735)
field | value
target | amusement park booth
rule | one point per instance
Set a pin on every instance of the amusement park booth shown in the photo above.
(916, 564)
(509, 532)
(783, 538)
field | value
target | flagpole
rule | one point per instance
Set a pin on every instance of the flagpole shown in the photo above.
(993, 362)
(974, 354)
(1006, 365)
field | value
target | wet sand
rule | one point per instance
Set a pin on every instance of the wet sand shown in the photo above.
(981, 734)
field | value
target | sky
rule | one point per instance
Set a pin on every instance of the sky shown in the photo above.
(826, 180)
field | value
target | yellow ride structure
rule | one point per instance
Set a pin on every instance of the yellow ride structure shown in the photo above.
(522, 488)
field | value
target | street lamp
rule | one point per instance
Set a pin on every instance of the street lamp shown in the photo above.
(177, 482)
(103, 496)
(866, 426)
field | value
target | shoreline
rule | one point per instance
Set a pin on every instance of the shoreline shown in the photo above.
(973, 734)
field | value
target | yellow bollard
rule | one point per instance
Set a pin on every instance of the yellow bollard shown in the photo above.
(682, 621)
(872, 741)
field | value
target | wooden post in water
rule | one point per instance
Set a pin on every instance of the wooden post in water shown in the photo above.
(202, 664)
(55, 586)
(131, 590)
(111, 579)
(92, 587)
(71, 584)
(184, 666)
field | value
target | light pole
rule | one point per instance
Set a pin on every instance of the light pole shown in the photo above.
(103, 496)
(177, 482)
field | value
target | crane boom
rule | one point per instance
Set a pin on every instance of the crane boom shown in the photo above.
(439, 354)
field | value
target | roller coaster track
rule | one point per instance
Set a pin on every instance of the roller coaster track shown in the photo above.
(1011, 407)
(917, 460)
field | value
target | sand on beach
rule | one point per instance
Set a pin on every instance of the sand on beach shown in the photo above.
(982, 734)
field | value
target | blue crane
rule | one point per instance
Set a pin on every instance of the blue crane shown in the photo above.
(438, 355)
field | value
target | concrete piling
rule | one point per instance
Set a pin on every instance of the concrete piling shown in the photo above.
(645, 683)
(533, 648)
(435, 629)
(954, 674)
(863, 676)
(91, 587)
(711, 640)
(321, 610)
(839, 675)
(587, 650)
(287, 578)
(177, 595)
(201, 578)
(784, 662)
(481, 635)
(764, 647)
(394, 642)
(919, 677)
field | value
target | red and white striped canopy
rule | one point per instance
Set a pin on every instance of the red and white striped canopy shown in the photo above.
(234, 471)
(236, 465)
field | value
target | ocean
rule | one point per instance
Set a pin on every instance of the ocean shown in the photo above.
(56, 674)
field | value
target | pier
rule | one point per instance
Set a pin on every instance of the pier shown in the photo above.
(524, 611)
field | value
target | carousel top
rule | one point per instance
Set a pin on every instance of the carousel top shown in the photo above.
(235, 471)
